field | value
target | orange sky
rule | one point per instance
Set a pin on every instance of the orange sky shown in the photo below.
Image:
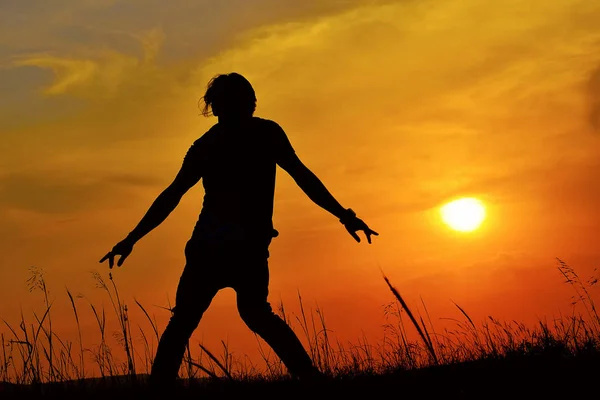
(398, 106)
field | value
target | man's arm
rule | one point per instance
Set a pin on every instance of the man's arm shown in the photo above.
(312, 185)
(318, 193)
(286, 158)
(165, 203)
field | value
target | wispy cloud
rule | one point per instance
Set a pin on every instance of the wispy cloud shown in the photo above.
(65, 194)
(102, 73)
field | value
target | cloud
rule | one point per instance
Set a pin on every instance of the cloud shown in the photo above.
(405, 64)
(421, 97)
(102, 73)
(65, 195)
(68, 72)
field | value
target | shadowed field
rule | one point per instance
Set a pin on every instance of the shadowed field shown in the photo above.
(532, 376)
(475, 361)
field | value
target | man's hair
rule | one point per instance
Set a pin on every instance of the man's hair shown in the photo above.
(229, 94)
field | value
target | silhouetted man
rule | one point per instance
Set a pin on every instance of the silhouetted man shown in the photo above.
(236, 159)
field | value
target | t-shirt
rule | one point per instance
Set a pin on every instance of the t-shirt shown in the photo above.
(237, 164)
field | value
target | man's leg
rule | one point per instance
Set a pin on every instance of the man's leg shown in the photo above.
(194, 294)
(252, 291)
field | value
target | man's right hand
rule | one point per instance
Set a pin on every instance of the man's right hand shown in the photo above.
(123, 249)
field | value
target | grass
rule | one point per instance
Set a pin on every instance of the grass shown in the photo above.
(473, 360)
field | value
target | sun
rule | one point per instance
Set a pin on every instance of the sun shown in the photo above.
(463, 215)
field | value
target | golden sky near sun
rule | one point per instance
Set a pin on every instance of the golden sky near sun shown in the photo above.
(398, 106)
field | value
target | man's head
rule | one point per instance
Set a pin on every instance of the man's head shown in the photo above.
(229, 95)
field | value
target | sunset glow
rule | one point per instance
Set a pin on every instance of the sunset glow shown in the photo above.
(466, 133)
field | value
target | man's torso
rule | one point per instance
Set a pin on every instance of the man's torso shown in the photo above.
(238, 165)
